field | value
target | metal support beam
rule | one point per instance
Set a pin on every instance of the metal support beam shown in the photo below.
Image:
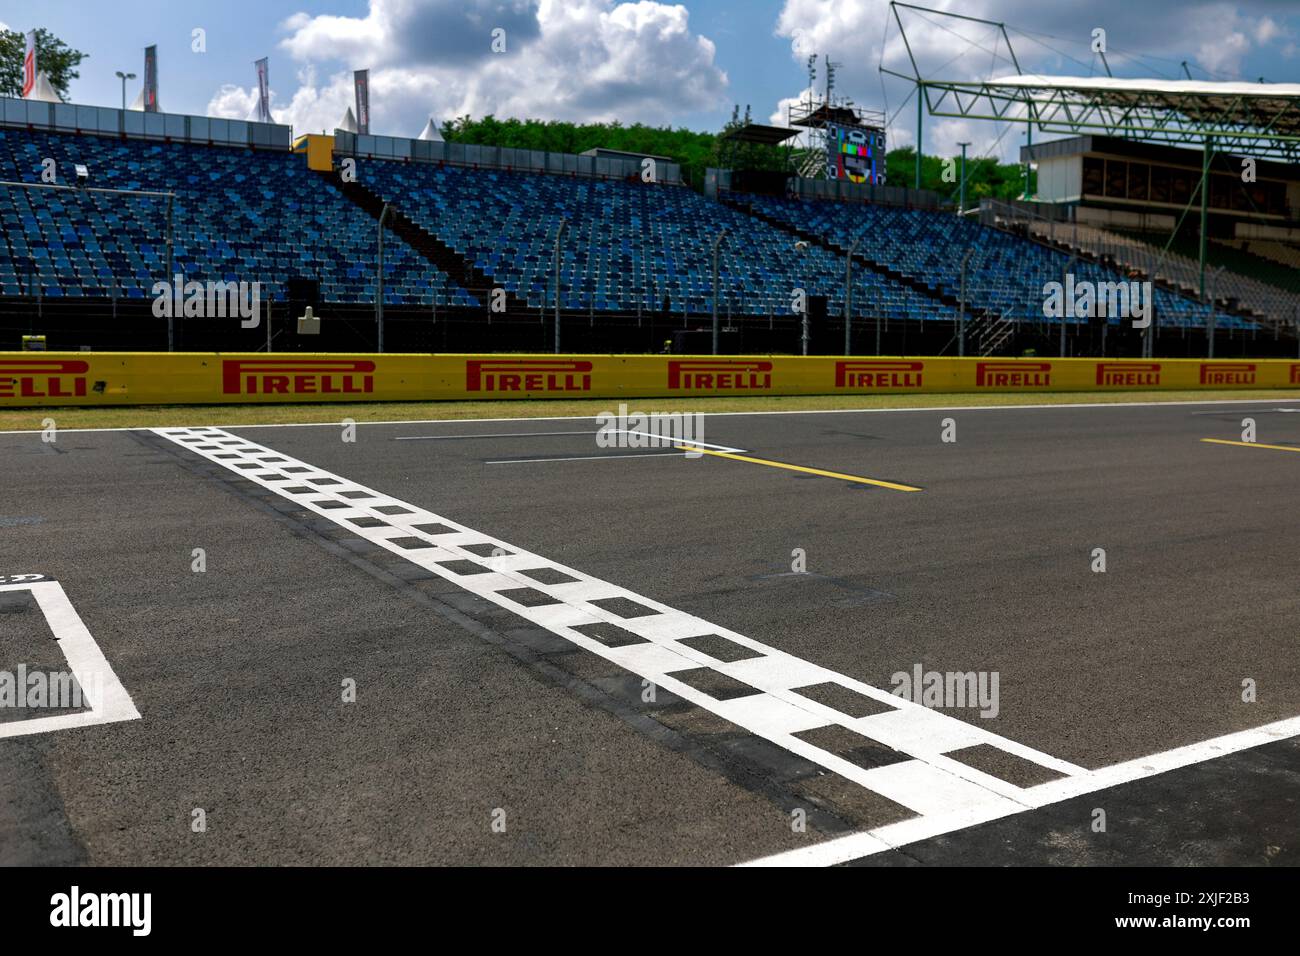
(1205, 204)
(848, 297)
(961, 306)
(558, 233)
(1065, 272)
(920, 104)
(379, 281)
(716, 243)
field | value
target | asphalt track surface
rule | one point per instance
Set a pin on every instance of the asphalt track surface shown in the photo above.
(1119, 691)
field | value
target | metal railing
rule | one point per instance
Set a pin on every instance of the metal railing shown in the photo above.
(1261, 300)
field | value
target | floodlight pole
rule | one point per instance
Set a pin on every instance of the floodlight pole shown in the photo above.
(124, 77)
(1064, 307)
(848, 296)
(1211, 320)
(961, 307)
(379, 280)
(558, 233)
(1029, 152)
(716, 243)
(171, 321)
(961, 203)
(920, 102)
(1205, 203)
(876, 303)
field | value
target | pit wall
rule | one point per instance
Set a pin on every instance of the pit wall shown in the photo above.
(38, 379)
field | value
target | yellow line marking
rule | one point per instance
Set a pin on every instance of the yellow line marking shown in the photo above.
(1250, 444)
(811, 471)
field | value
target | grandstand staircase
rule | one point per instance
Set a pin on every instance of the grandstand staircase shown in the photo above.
(862, 260)
(433, 249)
(988, 333)
(1264, 305)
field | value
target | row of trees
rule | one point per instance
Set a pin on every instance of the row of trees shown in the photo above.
(693, 151)
(696, 151)
(56, 59)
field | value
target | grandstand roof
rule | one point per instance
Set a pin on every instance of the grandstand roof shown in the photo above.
(1232, 106)
(1254, 119)
(1124, 88)
(1260, 119)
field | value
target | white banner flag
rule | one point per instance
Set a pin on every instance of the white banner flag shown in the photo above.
(151, 79)
(263, 90)
(29, 65)
(361, 79)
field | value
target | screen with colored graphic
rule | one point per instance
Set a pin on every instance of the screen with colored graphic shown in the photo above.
(853, 153)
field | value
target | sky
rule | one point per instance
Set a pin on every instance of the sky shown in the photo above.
(681, 64)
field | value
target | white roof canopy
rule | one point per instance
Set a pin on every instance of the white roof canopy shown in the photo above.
(1104, 84)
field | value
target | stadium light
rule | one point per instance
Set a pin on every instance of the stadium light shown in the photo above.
(124, 77)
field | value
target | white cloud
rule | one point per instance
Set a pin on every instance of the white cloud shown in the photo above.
(1267, 30)
(1225, 53)
(564, 59)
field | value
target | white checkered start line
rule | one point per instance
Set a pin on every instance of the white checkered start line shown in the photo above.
(655, 642)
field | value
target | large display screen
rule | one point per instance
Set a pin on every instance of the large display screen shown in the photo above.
(854, 153)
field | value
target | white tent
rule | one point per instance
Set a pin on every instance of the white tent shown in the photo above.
(138, 105)
(431, 132)
(43, 92)
(348, 123)
(255, 115)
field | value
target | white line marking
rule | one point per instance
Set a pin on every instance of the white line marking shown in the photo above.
(101, 691)
(501, 435)
(572, 418)
(775, 711)
(670, 441)
(869, 842)
(653, 454)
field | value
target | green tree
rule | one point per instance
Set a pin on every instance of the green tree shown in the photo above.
(693, 151)
(54, 58)
(696, 151)
(984, 176)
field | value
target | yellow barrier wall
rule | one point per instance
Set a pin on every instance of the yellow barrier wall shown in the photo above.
(136, 378)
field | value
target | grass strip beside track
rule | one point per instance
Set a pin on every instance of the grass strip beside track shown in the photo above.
(157, 416)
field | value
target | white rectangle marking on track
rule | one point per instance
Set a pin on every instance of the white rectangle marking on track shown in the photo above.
(101, 691)
(774, 711)
(869, 842)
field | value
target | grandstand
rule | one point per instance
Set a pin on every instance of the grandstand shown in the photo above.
(634, 258)
(238, 213)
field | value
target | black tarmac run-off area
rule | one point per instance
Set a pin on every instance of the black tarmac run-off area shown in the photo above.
(563, 658)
